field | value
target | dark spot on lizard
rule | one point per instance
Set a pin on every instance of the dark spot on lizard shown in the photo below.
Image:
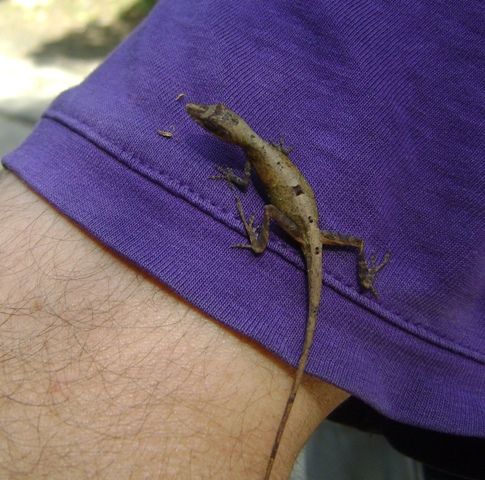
(317, 250)
(310, 220)
(230, 119)
(298, 190)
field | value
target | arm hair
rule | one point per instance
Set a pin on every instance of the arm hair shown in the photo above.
(105, 373)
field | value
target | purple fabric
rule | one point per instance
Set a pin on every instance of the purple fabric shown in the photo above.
(383, 105)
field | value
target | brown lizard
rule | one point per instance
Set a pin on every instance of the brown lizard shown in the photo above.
(293, 206)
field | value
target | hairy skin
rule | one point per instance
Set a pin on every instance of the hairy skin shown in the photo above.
(105, 374)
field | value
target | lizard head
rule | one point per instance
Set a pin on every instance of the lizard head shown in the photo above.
(221, 121)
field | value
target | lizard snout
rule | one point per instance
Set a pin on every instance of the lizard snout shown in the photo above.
(195, 110)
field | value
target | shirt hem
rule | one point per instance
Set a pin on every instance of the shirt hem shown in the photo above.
(62, 158)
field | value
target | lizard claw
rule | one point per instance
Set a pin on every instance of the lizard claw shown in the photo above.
(251, 231)
(225, 174)
(386, 258)
(368, 272)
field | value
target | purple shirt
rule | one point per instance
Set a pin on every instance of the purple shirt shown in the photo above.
(383, 104)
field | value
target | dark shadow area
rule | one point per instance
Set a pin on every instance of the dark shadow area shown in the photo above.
(95, 40)
(447, 456)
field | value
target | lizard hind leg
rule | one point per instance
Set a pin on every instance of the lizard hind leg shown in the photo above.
(259, 241)
(367, 270)
(230, 177)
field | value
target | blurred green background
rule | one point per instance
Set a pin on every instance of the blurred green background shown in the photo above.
(47, 46)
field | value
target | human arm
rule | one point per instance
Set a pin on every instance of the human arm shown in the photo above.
(107, 374)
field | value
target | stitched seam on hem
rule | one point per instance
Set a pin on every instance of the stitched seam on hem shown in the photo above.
(187, 193)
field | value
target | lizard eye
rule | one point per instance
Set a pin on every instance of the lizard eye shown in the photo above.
(216, 128)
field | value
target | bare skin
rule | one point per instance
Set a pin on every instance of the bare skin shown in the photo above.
(293, 206)
(106, 374)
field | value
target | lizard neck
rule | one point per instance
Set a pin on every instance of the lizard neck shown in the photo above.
(257, 150)
(254, 142)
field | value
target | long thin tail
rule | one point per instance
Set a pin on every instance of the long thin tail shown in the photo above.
(314, 274)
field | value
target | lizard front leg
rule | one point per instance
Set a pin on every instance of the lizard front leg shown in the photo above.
(258, 243)
(367, 271)
(228, 175)
(282, 147)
